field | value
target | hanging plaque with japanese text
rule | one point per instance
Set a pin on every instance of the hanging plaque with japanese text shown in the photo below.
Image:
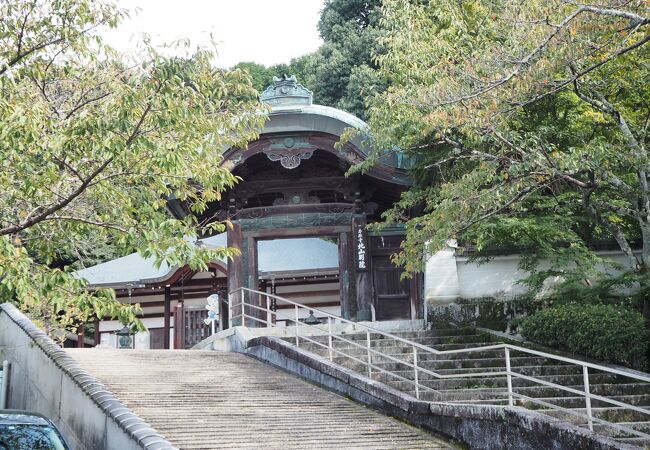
(360, 247)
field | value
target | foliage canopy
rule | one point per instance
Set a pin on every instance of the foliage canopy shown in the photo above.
(529, 122)
(91, 146)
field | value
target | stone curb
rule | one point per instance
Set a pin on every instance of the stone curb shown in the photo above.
(472, 424)
(132, 425)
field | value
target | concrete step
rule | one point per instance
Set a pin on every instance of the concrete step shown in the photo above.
(612, 414)
(630, 393)
(572, 401)
(391, 348)
(500, 381)
(605, 430)
(442, 364)
(406, 353)
(388, 342)
(408, 356)
(409, 335)
(414, 335)
(639, 442)
(213, 400)
(525, 370)
(489, 389)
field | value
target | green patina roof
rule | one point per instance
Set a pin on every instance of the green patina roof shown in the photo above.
(293, 110)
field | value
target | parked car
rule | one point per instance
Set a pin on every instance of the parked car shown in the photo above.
(23, 430)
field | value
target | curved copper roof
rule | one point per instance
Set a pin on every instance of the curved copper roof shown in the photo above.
(292, 113)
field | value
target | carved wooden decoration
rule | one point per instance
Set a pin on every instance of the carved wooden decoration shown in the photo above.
(289, 158)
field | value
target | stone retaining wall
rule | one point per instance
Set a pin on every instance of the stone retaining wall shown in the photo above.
(45, 379)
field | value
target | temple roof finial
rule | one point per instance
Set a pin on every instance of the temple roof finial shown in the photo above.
(286, 91)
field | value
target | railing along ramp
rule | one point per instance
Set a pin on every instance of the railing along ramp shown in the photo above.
(608, 400)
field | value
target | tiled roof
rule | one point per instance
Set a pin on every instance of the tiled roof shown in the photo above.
(274, 255)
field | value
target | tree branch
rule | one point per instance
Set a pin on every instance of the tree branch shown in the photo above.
(37, 216)
(579, 74)
(19, 57)
(520, 195)
(84, 103)
(615, 230)
(87, 221)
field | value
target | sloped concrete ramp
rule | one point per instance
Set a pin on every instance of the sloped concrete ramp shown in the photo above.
(212, 400)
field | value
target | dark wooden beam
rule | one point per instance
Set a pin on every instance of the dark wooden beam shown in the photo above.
(167, 304)
(235, 268)
(253, 279)
(191, 296)
(207, 282)
(179, 326)
(287, 283)
(310, 305)
(147, 304)
(292, 295)
(297, 232)
(344, 279)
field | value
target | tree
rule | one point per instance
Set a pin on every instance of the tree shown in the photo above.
(91, 147)
(261, 75)
(529, 121)
(342, 72)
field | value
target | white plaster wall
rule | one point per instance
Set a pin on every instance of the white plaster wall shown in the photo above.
(441, 283)
(497, 278)
(449, 277)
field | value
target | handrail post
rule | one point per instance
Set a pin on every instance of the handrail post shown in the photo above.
(230, 309)
(297, 322)
(508, 376)
(368, 350)
(415, 372)
(585, 375)
(243, 309)
(329, 337)
(269, 318)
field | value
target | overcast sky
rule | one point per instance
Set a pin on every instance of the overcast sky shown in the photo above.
(264, 31)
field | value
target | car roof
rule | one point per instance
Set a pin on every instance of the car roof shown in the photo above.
(18, 417)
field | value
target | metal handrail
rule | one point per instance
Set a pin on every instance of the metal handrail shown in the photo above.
(507, 348)
(443, 352)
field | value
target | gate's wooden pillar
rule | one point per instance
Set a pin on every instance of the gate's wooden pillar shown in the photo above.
(344, 275)
(253, 281)
(166, 317)
(224, 320)
(235, 270)
(179, 326)
(363, 276)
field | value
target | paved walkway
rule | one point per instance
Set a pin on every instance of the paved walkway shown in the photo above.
(211, 400)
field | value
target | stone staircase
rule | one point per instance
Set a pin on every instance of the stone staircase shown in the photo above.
(493, 390)
(213, 400)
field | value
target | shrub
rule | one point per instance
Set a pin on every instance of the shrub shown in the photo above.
(606, 332)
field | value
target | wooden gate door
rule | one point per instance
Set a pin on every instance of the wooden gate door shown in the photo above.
(393, 298)
(195, 328)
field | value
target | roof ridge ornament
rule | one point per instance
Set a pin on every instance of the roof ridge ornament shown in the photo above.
(286, 91)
